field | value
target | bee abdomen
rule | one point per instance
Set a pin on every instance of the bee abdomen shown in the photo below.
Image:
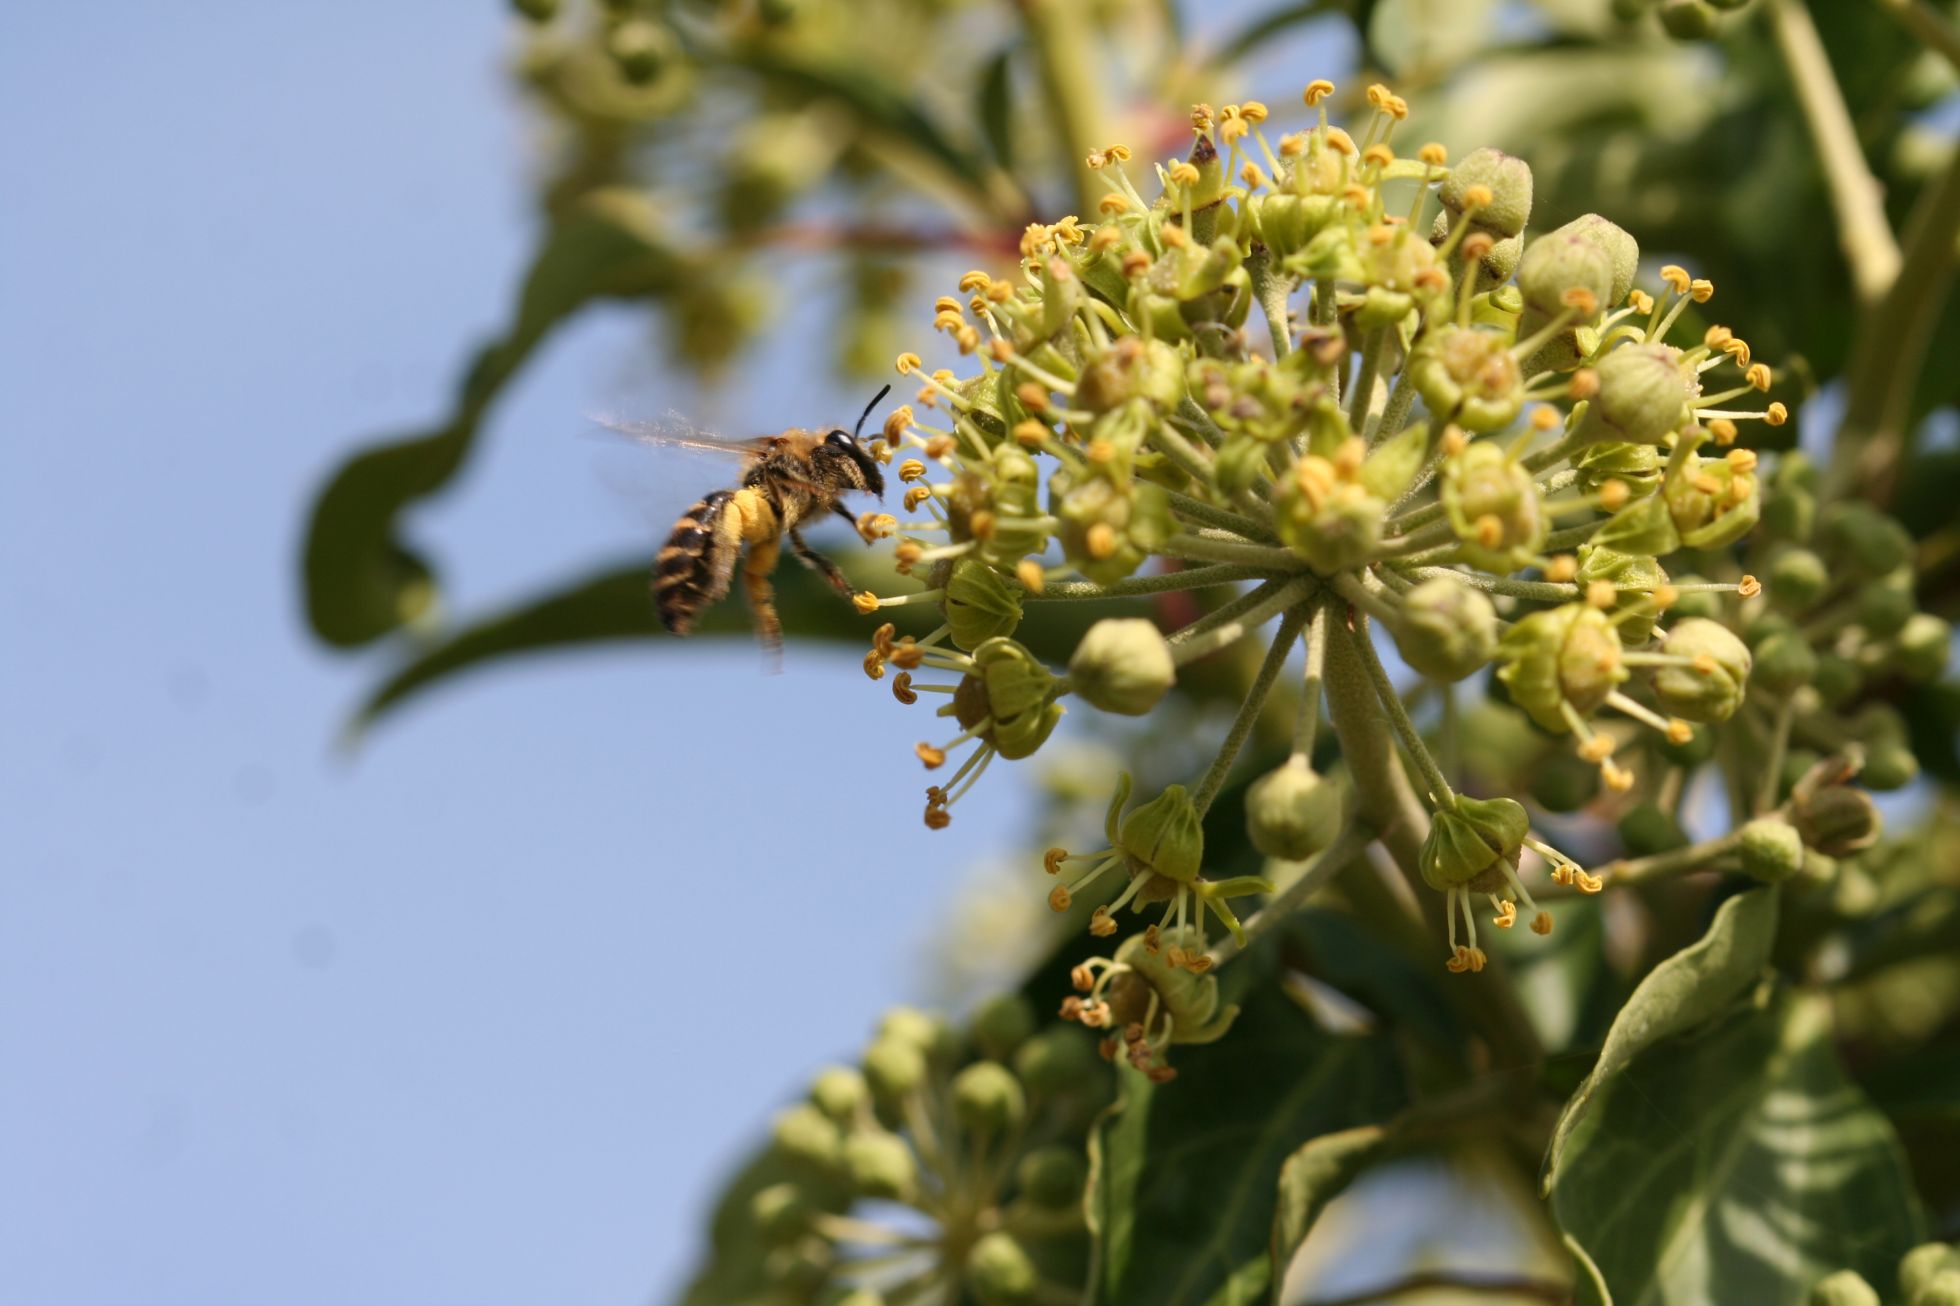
(692, 570)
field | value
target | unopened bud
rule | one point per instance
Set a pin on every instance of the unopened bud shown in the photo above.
(1770, 850)
(1002, 1024)
(1123, 665)
(987, 1099)
(1712, 686)
(1446, 629)
(1000, 1271)
(879, 1165)
(1052, 1176)
(1844, 1288)
(979, 603)
(1292, 811)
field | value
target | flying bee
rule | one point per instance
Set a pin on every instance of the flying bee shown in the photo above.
(789, 480)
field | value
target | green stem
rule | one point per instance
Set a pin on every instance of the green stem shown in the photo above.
(1059, 34)
(1169, 582)
(1779, 744)
(1230, 623)
(1928, 24)
(1273, 289)
(1210, 548)
(1440, 793)
(1350, 843)
(1309, 722)
(1248, 713)
(1630, 871)
(1856, 196)
(1537, 591)
(1364, 383)
(1200, 511)
(1400, 400)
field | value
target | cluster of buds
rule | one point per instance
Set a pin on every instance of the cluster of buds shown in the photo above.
(1496, 448)
(934, 1162)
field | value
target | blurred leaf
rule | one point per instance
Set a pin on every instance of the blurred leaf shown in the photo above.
(361, 580)
(1689, 988)
(1245, 1286)
(1315, 1175)
(1738, 1165)
(1247, 40)
(1187, 1171)
(1340, 949)
(996, 107)
(1434, 35)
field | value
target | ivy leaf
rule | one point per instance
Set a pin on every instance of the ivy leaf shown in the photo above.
(1182, 1190)
(1737, 1165)
(1689, 988)
(361, 580)
(1317, 1173)
(996, 107)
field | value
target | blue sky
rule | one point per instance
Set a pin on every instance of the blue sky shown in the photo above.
(479, 1015)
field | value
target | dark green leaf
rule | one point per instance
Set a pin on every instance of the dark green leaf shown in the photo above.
(1689, 988)
(1187, 1171)
(1736, 1165)
(996, 107)
(362, 581)
(1317, 1173)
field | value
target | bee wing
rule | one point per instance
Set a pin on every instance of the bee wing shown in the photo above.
(675, 432)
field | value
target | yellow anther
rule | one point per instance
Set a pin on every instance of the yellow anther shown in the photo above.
(1541, 923)
(911, 470)
(1664, 597)
(1583, 385)
(948, 320)
(1233, 128)
(1341, 141)
(1252, 175)
(1717, 336)
(1032, 577)
(1705, 663)
(1701, 290)
(1135, 264)
(877, 525)
(1433, 154)
(967, 338)
(1294, 144)
(1100, 451)
(1059, 897)
(1544, 417)
(1119, 152)
(1378, 154)
(975, 282)
(1175, 237)
(915, 496)
(1641, 301)
(1101, 541)
(1001, 291)
(908, 655)
(1597, 749)
(1357, 196)
(939, 446)
(1478, 197)
(1561, 568)
(1476, 247)
(1776, 414)
(1253, 111)
(1587, 882)
(1722, 429)
(1601, 594)
(1033, 396)
(1742, 460)
(902, 688)
(874, 666)
(909, 363)
(1490, 530)
(1379, 235)
(1507, 915)
(1705, 483)
(1397, 107)
(1201, 117)
(1616, 778)
(1613, 495)
(1454, 440)
(980, 524)
(1051, 861)
(865, 602)
(1317, 90)
(1738, 350)
(1758, 376)
(1679, 731)
(1581, 300)
(1030, 434)
(1749, 587)
(1101, 923)
(1677, 278)
(1184, 174)
(934, 758)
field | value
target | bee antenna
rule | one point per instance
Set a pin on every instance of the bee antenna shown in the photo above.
(876, 399)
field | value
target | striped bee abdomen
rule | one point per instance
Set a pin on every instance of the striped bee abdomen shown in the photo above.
(694, 568)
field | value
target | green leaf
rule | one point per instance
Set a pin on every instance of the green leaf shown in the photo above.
(1737, 1165)
(1689, 988)
(1183, 1186)
(1266, 26)
(996, 107)
(1315, 1175)
(362, 581)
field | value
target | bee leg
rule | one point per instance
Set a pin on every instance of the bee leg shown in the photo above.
(823, 566)
(845, 513)
(756, 567)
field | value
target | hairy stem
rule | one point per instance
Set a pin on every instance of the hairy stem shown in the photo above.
(1248, 713)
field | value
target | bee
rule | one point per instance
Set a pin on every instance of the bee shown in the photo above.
(789, 480)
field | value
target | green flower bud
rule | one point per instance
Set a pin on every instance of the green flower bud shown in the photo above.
(880, 1165)
(1712, 688)
(1470, 844)
(1291, 811)
(805, 1136)
(1635, 577)
(1507, 178)
(1010, 689)
(987, 1099)
(1002, 1024)
(1784, 663)
(1638, 465)
(1790, 514)
(1885, 607)
(1131, 369)
(1564, 782)
(1286, 223)
(1052, 1176)
(801, 1265)
(1920, 1266)
(1493, 506)
(1165, 836)
(779, 1212)
(1446, 629)
(1000, 1271)
(928, 1032)
(1646, 830)
(1644, 394)
(1712, 503)
(1888, 766)
(1643, 527)
(1837, 819)
(1191, 1001)
(1323, 513)
(1564, 655)
(1922, 647)
(979, 604)
(1867, 538)
(1122, 665)
(1845, 1288)
(839, 1093)
(894, 1067)
(1467, 375)
(1622, 251)
(1588, 254)
(1944, 1290)
(641, 49)
(1838, 679)
(1687, 20)
(1055, 1060)
(1797, 579)
(1107, 527)
(1771, 850)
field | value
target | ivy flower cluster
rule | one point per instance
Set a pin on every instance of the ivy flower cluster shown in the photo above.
(1505, 450)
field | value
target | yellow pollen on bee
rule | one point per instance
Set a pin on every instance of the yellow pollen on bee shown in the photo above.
(1541, 923)
(902, 688)
(1679, 731)
(1317, 90)
(1640, 301)
(1561, 568)
(1433, 154)
(1758, 376)
(1101, 541)
(908, 363)
(1059, 898)
(1613, 495)
(1031, 576)
(1776, 414)
(1581, 300)
(1184, 174)
(934, 758)
(1664, 597)
(1597, 749)
(865, 602)
(1701, 290)
(1749, 587)
(1723, 430)
(1677, 278)
(1601, 594)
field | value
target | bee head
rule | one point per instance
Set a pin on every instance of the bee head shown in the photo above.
(857, 468)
